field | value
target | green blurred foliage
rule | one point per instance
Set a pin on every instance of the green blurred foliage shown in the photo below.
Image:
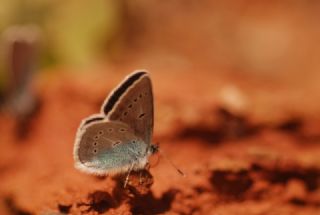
(74, 32)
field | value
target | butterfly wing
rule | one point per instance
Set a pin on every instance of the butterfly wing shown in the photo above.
(106, 147)
(91, 119)
(132, 103)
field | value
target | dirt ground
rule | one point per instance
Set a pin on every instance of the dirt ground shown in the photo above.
(247, 146)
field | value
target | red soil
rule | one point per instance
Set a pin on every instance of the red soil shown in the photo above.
(246, 146)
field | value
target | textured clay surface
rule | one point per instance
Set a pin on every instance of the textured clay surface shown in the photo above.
(246, 146)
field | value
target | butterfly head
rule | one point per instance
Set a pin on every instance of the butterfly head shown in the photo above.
(153, 157)
(154, 148)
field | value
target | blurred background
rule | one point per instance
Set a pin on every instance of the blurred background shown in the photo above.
(273, 42)
(222, 71)
(268, 38)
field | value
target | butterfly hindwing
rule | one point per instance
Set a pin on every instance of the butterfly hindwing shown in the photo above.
(105, 146)
(93, 118)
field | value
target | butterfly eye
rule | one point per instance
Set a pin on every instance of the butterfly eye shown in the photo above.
(133, 141)
(122, 130)
(95, 151)
(96, 137)
(100, 132)
(125, 113)
(135, 100)
(95, 143)
(110, 130)
(130, 106)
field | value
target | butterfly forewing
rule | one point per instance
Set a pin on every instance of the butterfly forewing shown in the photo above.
(134, 106)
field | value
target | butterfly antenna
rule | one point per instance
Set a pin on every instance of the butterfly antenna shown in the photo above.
(172, 164)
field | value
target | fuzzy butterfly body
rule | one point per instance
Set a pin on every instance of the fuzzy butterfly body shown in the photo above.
(119, 138)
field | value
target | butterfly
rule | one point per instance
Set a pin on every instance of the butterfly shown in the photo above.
(118, 139)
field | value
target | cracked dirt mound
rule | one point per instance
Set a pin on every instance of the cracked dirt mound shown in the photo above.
(248, 150)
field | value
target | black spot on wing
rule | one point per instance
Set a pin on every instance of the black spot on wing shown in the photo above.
(118, 92)
(141, 115)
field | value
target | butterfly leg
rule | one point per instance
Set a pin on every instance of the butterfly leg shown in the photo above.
(140, 177)
(127, 178)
